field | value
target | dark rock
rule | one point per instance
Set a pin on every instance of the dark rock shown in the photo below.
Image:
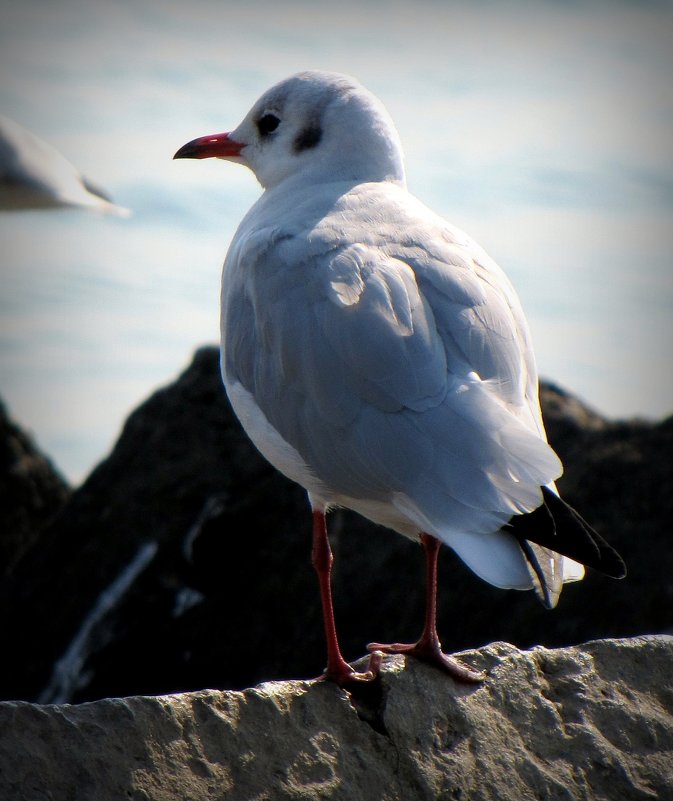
(31, 492)
(183, 561)
(589, 722)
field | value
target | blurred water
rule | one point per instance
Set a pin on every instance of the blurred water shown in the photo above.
(543, 129)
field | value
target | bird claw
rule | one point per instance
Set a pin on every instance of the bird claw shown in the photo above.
(346, 676)
(432, 653)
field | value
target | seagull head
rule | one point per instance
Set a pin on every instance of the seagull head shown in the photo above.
(314, 126)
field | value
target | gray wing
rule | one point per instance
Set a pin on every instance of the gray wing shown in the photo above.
(390, 370)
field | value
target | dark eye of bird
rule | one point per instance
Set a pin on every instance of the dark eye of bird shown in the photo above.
(267, 124)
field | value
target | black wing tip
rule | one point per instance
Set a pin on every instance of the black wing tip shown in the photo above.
(615, 567)
(568, 534)
(95, 190)
(543, 592)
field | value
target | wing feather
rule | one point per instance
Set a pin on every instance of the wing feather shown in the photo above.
(390, 367)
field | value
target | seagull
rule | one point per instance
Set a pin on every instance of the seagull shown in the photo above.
(376, 355)
(34, 175)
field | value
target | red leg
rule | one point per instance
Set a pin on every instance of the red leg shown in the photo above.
(337, 670)
(428, 648)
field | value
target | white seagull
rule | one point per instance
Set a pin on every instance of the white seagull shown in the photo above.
(377, 356)
(34, 175)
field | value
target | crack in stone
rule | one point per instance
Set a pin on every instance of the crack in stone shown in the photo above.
(369, 701)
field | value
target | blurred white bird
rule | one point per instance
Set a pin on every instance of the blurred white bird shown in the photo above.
(34, 175)
(376, 355)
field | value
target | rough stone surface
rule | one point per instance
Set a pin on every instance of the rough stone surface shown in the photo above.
(228, 597)
(593, 722)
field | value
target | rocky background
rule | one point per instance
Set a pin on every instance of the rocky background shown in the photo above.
(183, 561)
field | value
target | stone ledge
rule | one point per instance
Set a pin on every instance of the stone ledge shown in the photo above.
(588, 722)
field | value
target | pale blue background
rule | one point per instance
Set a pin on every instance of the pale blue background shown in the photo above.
(544, 129)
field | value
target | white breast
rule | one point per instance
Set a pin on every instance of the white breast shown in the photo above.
(270, 443)
(288, 461)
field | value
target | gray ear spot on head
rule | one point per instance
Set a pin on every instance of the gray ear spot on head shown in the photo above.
(308, 138)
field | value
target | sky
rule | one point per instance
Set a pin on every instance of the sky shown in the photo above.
(544, 129)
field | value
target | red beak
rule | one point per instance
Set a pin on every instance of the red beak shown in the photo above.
(219, 146)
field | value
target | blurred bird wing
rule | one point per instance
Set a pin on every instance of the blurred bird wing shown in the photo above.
(33, 174)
